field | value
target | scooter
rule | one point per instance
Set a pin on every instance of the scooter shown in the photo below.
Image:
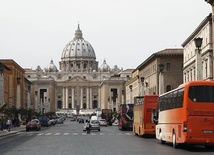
(87, 130)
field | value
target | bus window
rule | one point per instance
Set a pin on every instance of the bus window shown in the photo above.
(201, 93)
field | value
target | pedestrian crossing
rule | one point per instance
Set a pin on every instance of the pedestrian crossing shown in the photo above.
(72, 134)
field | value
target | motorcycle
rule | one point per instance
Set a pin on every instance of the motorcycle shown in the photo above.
(87, 130)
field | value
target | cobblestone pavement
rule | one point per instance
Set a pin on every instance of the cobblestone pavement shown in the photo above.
(12, 131)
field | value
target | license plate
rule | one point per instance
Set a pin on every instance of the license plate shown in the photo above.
(207, 131)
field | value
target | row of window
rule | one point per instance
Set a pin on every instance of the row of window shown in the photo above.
(171, 100)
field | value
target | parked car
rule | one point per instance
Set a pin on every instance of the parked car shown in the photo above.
(44, 120)
(95, 125)
(52, 121)
(103, 122)
(33, 125)
(81, 120)
(59, 120)
(72, 119)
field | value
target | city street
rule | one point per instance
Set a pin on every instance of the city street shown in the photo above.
(69, 139)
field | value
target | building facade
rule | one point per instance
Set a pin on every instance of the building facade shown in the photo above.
(159, 73)
(198, 63)
(79, 83)
(13, 84)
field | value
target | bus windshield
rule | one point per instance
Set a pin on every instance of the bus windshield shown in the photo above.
(201, 93)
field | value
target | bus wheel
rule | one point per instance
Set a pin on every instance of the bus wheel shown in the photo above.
(174, 144)
(161, 138)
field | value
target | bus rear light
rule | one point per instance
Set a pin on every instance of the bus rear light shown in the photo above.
(185, 127)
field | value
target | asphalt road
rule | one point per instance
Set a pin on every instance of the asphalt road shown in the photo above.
(69, 139)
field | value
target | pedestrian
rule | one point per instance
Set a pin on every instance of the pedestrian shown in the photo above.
(1, 123)
(8, 124)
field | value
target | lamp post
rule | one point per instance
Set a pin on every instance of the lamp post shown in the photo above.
(198, 61)
(130, 87)
(161, 79)
(142, 82)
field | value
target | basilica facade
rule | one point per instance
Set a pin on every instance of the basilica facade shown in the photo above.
(79, 83)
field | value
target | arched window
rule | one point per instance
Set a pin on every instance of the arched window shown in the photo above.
(168, 88)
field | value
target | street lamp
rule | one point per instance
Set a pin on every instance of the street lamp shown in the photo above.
(161, 67)
(198, 61)
(18, 80)
(142, 82)
(198, 43)
(161, 79)
(130, 87)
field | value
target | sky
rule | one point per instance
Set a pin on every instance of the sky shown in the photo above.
(122, 32)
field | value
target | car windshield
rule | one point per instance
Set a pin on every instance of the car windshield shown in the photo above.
(94, 122)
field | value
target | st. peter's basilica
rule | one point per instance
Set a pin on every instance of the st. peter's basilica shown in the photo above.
(79, 83)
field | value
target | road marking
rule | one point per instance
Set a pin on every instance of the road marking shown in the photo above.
(75, 133)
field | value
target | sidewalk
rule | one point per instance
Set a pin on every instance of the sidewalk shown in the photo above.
(13, 130)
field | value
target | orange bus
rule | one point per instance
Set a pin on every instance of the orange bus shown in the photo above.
(143, 105)
(185, 115)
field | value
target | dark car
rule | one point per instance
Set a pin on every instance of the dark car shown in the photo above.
(33, 125)
(44, 120)
(81, 120)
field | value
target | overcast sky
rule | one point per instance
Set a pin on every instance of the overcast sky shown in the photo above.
(123, 32)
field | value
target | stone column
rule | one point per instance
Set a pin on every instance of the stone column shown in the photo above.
(88, 98)
(81, 97)
(198, 64)
(66, 97)
(90, 102)
(63, 98)
(72, 97)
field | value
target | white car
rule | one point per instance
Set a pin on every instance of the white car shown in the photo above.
(103, 122)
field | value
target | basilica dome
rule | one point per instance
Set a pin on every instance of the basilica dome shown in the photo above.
(78, 48)
(104, 67)
(78, 55)
(51, 67)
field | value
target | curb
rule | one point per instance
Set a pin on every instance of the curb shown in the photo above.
(5, 133)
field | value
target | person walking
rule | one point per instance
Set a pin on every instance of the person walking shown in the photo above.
(8, 124)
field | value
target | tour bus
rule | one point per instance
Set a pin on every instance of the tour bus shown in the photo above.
(142, 124)
(185, 115)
